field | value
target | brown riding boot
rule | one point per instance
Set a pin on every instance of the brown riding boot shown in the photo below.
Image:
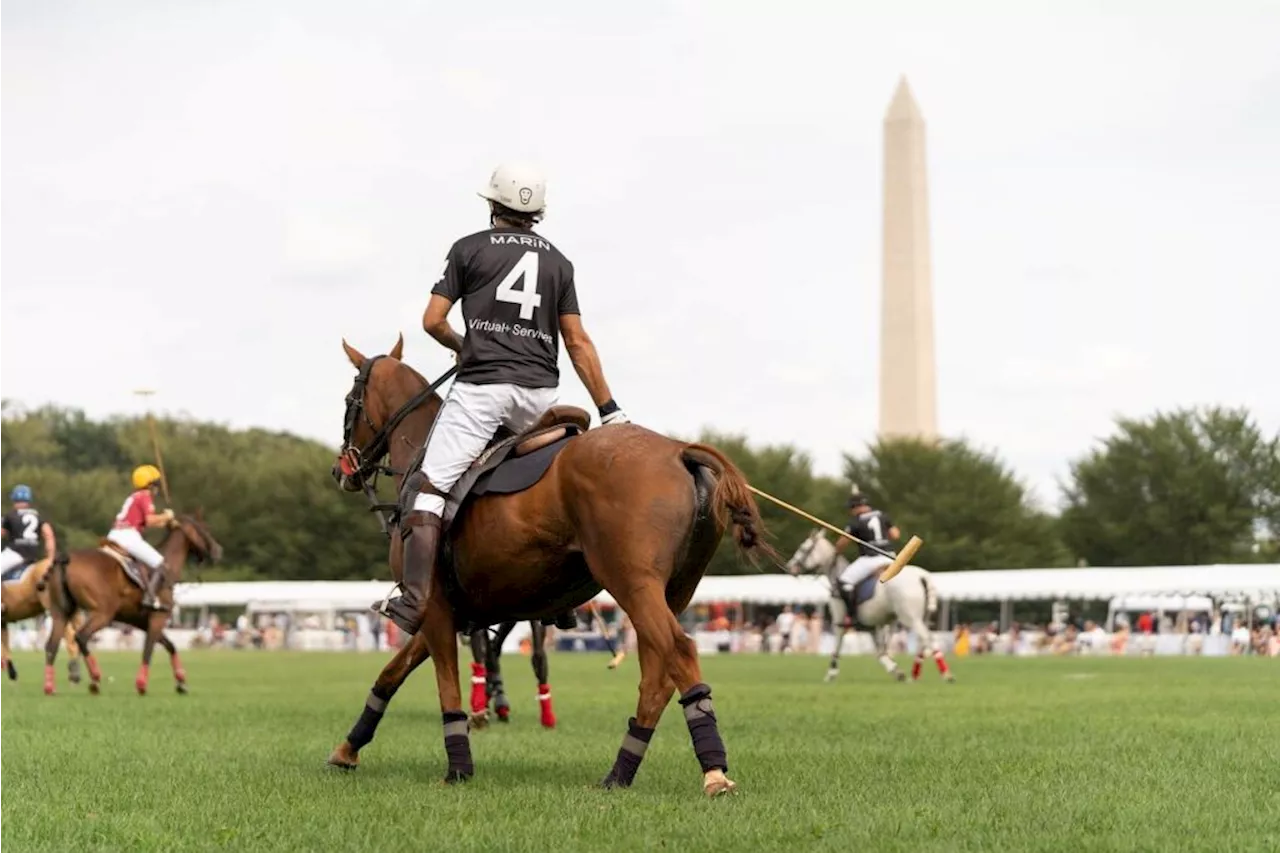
(421, 548)
(150, 596)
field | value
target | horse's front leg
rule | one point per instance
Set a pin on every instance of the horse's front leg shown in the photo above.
(438, 627)
(881, 635)
(406, 660)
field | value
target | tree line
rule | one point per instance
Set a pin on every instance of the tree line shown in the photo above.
(1184, 487)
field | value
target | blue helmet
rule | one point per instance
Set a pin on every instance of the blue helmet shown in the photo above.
(21, 493)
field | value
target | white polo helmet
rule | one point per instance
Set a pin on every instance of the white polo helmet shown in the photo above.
(517, 186)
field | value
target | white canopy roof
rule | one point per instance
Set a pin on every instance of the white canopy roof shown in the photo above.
(1218, 581)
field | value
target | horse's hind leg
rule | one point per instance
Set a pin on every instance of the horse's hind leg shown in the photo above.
(73, 650)
(668, 659)
(51, 649)
(5, 654)
(926, 646)
(542, 673)
(179, 674)
(881, 636)
(479, 680)
(410, 656)
(493, 672)
(95, 622)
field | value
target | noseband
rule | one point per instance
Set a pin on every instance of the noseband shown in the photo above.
(364, 463)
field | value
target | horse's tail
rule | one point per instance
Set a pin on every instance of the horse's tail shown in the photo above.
(930, 596)
(731, 500)
(55, 580)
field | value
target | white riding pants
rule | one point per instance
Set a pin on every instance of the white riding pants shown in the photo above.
(132, 541)
(860, 568)
(470, 416)
(10, 559)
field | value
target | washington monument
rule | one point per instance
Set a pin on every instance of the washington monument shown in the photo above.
(908, 393)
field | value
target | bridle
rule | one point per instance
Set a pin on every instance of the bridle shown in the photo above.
(803, 552)
(365, 463)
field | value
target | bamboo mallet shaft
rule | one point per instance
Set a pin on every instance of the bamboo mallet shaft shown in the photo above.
(904, 556)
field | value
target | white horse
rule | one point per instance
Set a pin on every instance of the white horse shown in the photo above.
(910, 598)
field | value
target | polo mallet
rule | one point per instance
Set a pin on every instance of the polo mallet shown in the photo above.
(904, 556)
(604, 632)
(155, 448)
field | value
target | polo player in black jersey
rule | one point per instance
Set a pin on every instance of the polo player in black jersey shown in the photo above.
(518, 300)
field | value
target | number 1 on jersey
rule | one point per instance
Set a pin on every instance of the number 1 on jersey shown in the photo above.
(527, 297)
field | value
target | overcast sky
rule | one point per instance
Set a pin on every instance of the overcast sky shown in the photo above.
(204, 198)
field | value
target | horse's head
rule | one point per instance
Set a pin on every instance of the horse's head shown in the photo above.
(200, 542)
(814, 554)
(364, 432)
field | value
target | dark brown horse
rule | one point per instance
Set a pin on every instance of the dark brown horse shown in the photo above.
(486, 674)
(620, 507)
(94, 581)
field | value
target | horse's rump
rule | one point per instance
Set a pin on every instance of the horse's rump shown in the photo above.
(521, 556)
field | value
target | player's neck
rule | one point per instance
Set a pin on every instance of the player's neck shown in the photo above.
(500, 222)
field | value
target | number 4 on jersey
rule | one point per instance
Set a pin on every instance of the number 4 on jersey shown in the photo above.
(527, 297)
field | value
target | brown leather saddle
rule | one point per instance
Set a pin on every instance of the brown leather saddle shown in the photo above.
(133, 570)
(511, 463)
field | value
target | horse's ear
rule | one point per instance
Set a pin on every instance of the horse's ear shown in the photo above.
(357, 358)
(398, 350)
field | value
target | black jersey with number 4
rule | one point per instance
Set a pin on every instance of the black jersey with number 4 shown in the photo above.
(23, 529)
(871, 526)
(514, 285)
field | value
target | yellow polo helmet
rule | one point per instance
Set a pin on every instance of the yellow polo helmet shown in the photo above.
(145, 475)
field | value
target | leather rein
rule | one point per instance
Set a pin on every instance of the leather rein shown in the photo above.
(365, 463)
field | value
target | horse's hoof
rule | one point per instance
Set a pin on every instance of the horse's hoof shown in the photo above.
(11, 669)
(141, 687)
(612, 783)
(951, 679)
(344, 757)
(48, 690)
(453, 777)
(182, 688)
(480, 719)
(901, 676)
(95, 688)
(715, 783)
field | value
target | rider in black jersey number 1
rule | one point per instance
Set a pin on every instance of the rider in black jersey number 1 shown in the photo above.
(873, 527)
(518, 300)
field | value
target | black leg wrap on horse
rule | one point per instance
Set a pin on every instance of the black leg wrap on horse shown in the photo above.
(630, 754)
(701, 717)
(362, 732)
(457, 746)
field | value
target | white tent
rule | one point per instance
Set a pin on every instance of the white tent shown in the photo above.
(1256, 582)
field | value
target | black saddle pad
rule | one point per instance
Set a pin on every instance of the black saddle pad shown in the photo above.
(865, 589)
(519, 473)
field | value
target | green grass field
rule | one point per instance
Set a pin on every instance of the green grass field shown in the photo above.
(1051, 754)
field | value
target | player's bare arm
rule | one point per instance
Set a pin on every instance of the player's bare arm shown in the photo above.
(435, 322)
(50, 541)
(586, 361)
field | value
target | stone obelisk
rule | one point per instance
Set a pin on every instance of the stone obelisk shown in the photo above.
(908, 390)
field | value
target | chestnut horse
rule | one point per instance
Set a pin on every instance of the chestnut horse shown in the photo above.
(91, 580)
(27, 598)
(620, 508)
